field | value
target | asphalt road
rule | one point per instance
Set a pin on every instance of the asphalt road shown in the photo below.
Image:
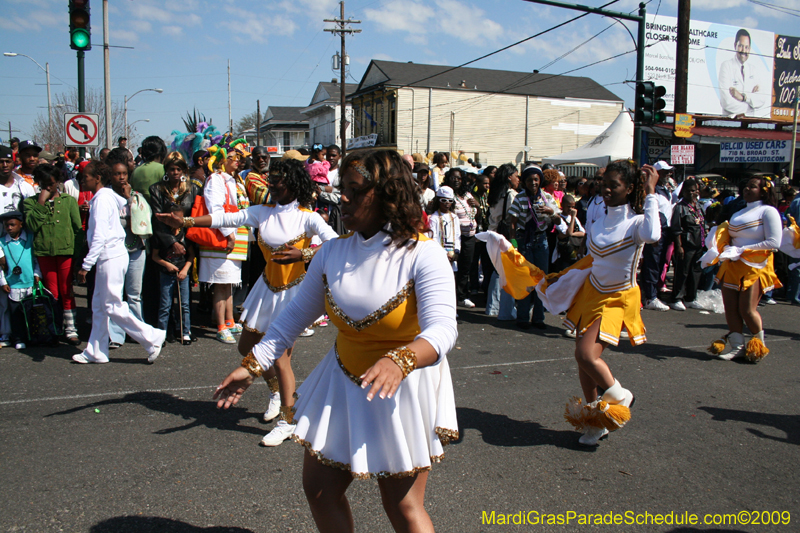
(132, 447)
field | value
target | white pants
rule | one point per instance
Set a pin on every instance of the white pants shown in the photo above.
(107, 304)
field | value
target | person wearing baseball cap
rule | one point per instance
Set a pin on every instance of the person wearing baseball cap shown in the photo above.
(13, 189)
(444, 224)
(28, 158)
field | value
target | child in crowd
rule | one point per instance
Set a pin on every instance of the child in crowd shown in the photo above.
(570, 235)
(174, 273)
(17, 282)
(317, 166)
(444, 224)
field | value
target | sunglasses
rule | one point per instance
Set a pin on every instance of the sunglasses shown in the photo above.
(448, 200)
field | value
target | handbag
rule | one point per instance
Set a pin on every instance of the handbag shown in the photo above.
(209, 237)
(38, 317)
(503, 227)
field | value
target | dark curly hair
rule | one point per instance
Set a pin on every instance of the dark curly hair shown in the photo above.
(768, 196)
(296, 179)
(118, 156)
(43, 171)
(395, 190)
(685, 187)
(99, 170)
(448, 177)
(631, 174)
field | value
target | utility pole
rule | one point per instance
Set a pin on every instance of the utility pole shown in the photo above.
(342, 30)
(230, 117)
(682, 65)
(640, 19)
(107, 78)
(258, 122)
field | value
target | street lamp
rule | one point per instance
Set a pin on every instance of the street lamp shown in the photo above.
(126, 104)
(46, 70)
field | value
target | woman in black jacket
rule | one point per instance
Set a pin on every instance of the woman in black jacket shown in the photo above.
(171, 250)
(688, 232)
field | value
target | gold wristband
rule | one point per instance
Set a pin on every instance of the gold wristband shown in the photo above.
(404, 358)
(252, 366)
(188, 222)
(308, 254)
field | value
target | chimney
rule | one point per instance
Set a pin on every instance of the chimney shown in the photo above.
(464, 84)
(335, 80)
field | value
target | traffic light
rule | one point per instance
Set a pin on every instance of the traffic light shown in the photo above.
(80, 30)
(658, 104)
(645, 97)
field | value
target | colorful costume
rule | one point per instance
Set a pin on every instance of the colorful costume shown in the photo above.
(381, 296)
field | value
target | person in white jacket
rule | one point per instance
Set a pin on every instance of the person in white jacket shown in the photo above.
(109, 257)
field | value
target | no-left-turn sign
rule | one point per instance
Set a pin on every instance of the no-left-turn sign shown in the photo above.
(81, 129)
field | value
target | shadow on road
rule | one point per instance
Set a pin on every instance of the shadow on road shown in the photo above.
(661, 352)
(789, 424)
(500, 430)
(200, 413)
(138, 524)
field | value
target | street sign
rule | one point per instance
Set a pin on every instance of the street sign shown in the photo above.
(80, 129)
(683, 125)
(682, 154)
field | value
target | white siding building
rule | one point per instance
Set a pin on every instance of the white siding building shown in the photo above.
(490, 115)
(324, 114)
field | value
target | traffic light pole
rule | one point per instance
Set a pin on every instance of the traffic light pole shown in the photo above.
(640, 19)
(81, 92)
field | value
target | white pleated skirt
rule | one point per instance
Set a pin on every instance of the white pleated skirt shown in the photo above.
(263, 306)
(395, 437)
(219, 270)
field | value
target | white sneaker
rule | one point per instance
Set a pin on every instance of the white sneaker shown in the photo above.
(656, 305)
(592, 436)
(274, 408)
(307, 333)
(82, 359)
(694, 305)
(281, 432)
(468, 303)
(5, 341)
(570, 333)
(20, 346)
(770, 301)
(677, 306)
(156, 350)
(736, 341)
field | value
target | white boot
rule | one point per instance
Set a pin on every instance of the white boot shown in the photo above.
(617, 395)
(736, 341)
(592, 436)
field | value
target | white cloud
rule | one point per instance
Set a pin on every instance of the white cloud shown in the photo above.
(141, 26)
(419, 20)
(175, 31)
(747, 22)
(125, 36)
(249, 27)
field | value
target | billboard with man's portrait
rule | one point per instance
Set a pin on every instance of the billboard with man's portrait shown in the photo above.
(731, 69)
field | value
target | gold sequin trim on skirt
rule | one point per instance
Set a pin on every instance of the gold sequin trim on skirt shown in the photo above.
(355, 379)
(283, 287)
(364, 475)
(446, 436)
(251, 330)
(373, 317)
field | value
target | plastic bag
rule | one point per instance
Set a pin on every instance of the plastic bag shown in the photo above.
(711, 301)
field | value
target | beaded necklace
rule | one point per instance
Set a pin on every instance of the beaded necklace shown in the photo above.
(442, 238)
(470, 211)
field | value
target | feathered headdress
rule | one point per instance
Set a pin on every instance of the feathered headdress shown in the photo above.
(219, 152)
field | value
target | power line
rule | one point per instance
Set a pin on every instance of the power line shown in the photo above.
(776, 7)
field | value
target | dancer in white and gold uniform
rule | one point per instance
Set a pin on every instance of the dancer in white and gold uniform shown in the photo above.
(390, 292)
(285, 228)
(744, 246)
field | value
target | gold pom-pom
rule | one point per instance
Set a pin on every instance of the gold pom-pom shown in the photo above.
(716, 347)
(598, 414)
(756, 350)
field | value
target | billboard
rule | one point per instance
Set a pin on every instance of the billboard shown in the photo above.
(733, 71)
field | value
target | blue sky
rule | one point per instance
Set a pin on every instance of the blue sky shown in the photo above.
(278, 51)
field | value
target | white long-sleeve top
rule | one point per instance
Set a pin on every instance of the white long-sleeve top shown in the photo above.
(363, 275)
(446, 231)
(214, 195)
(615, 242)
(756, 227)
(277, 224)
(745, 78)
(595, 211)
(105, 234)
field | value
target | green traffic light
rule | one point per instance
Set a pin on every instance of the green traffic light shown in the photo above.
(80, 38)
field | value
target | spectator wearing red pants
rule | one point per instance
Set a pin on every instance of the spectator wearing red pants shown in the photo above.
(54, 220)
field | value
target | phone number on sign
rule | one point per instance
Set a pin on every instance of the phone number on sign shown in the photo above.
(630, 518)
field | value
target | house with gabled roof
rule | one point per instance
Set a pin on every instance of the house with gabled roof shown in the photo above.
(492, 116)
(324, 113)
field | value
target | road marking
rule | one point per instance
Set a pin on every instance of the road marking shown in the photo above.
(212, 387)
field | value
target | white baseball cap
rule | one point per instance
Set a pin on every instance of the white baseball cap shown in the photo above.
(662, 165)
(445, 192)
